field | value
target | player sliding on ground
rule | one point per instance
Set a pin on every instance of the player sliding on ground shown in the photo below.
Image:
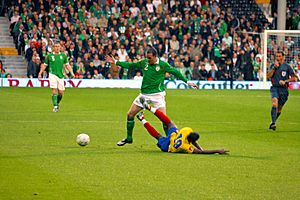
(182, 141)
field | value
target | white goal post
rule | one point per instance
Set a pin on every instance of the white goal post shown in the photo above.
(279, 39)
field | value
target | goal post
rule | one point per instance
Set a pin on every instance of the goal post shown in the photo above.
(285, 40)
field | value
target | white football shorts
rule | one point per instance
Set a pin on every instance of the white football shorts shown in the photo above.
(156, 99)
(56, 82)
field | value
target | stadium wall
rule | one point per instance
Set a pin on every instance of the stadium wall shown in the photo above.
(93, 83)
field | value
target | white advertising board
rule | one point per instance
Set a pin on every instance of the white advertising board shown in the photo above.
(94, 83)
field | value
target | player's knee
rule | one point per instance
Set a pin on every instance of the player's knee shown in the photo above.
(171, 125)
(130, 115)
(274, 104)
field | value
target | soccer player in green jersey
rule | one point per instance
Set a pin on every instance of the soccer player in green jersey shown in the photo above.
(56, 61)
(152, 89)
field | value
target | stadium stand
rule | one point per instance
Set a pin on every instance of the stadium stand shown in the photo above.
(187, 34)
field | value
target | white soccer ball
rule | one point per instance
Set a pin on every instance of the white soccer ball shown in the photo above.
(83, 139)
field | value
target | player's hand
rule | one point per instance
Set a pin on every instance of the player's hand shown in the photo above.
(223, 151)
(39, 76)
(281, 82)
(110, 59)
(276, 64)
(193, 85)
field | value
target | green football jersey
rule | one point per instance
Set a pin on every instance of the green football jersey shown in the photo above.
(153, 75)
(56, 63)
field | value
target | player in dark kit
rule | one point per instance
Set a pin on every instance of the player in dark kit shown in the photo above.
(280, 74)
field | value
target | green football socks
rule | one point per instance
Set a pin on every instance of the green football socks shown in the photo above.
(130, 126)
(54, 99)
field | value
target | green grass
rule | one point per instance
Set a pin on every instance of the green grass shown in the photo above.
(39, 158)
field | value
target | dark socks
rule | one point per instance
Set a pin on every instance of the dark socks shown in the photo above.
(59, 97)
(165, 128)
(278, 114)
(274, 114)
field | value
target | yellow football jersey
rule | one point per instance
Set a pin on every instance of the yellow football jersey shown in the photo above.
(179, 142)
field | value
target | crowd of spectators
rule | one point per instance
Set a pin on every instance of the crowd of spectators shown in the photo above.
(200, 38)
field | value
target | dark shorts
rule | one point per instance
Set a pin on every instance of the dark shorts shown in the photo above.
(280, 93)
(164, 142)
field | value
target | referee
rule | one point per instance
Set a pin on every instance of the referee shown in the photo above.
(280, 74)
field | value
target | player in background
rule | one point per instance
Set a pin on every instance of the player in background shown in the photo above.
(56, 62)
(152, 89)
(176, 141)
(280, 74)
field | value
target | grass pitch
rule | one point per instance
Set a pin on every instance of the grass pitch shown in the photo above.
(39, 158)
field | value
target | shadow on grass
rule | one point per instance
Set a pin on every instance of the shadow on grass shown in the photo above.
(131, 151)
(86, 151)
(251, 157)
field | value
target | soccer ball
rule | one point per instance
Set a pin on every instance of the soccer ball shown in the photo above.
(83, 139)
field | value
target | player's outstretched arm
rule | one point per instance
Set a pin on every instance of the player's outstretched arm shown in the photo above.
(193, 85)
(123, 64)
(218, 151)
(110, 59)
(197, 146)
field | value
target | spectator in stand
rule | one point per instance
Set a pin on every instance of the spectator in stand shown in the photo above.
(3, 73)
(174, 44)
(32, 69)
(257, 71)
(101, 28)
(90, 68)
(97, 75)
(212, 74)
(195, 73)
(96, 61)
(295, 64)
(138, 76)
(236, 65)
(203, 72)
(81, 72)
(13, 20)
(122, 53)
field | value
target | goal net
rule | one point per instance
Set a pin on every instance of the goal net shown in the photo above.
(287, 41)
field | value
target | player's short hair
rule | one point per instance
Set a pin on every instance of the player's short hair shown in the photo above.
(152, 50)
(193, 137)
(281, 52)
